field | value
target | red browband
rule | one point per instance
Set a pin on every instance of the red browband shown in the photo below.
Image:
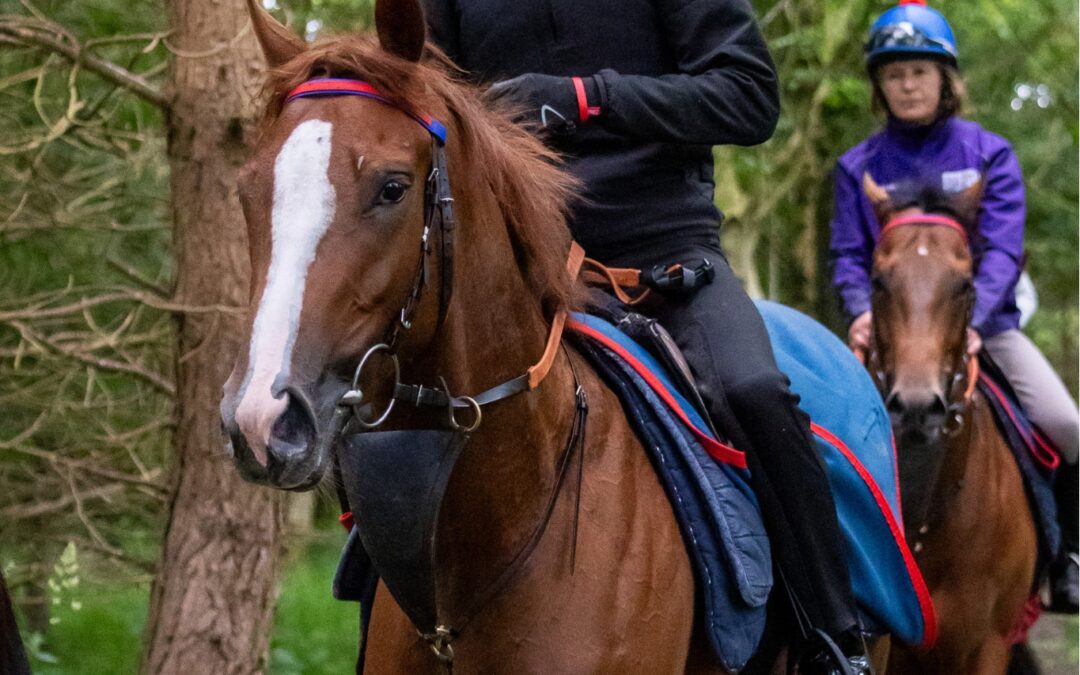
(336, 86)
(926, 219)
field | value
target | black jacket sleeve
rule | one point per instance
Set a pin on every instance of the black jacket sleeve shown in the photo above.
(726, 89)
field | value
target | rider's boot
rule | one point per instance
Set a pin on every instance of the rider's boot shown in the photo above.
(1064, 571)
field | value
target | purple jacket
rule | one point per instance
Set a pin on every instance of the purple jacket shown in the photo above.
(952, 153)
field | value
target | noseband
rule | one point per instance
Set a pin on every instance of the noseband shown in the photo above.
(964, 380)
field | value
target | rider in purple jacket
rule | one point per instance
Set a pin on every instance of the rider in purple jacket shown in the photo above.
(953, 153)
(911, 58)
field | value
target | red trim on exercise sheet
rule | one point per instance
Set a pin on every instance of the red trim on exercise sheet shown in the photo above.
(926, 604)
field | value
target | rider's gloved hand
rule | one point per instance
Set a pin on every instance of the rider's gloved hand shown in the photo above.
(556, 104)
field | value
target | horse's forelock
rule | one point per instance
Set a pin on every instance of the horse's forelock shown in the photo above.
(531, 189)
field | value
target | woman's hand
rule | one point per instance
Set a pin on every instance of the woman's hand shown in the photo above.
(974, 341)
(859, 335)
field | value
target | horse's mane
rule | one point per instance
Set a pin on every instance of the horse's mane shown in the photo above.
(531, 189)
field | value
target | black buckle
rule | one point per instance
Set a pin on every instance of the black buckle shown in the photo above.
(679, 279)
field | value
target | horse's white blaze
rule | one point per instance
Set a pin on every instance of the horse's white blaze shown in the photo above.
(302, 211)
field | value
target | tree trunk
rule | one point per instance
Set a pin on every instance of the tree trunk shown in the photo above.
(212, 601)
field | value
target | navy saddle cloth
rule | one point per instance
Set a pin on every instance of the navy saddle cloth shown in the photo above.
(1036, 457)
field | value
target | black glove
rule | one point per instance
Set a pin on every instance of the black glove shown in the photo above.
(550, 102)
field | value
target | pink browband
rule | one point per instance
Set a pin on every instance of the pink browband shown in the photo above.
(926, 219)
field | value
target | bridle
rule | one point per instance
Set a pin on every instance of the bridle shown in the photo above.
(433, 628)
(438, 206)
(965, 378)
(438, 203)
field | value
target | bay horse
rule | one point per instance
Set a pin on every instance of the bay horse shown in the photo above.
(337, 199)
(964, 507)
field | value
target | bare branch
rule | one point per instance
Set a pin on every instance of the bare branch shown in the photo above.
(77, 55)
(29, 313)
(22, 511)
(103, 363)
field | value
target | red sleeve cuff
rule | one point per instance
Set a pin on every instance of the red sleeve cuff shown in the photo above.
(585, 111)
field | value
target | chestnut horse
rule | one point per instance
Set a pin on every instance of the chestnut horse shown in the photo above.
(337, 198)
(964, 507)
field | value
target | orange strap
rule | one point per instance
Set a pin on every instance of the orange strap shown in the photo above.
(618, 278)
(538, 371)
(973, 377)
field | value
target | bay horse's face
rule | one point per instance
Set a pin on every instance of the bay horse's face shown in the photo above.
(922, 298)
(334, 202)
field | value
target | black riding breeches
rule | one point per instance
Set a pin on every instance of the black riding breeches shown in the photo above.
(725, 342)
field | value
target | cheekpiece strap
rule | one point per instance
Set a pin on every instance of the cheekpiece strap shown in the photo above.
(336, 86)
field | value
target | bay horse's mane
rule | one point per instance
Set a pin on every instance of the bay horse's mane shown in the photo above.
(531, 189)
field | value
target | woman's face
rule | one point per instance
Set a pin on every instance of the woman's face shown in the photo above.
(912, 89)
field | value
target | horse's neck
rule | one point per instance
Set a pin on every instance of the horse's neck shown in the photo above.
(499, 490)
(968, 490)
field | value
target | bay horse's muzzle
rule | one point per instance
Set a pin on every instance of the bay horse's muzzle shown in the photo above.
(294, 457)
(917, 417)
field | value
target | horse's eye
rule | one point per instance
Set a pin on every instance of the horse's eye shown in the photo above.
(393, 192)
(966, 287)
(877, 284)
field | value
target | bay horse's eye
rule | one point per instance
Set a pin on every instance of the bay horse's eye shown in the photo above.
(877, 284)
(393, 192)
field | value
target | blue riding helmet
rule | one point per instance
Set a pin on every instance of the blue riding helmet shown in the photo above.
(910, 30)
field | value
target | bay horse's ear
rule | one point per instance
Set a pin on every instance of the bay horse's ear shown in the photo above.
(401, 27)
(878, 196)
(279, 44)
(967, 203)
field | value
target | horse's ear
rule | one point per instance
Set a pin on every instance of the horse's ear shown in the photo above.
(967, 203)
(878, 196)
(401, 28)
(279, 44)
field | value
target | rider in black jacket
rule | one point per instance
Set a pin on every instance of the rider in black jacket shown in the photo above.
(634, 93)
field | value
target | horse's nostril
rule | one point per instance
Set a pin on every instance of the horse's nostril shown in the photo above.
(937, 407)
(293, 431)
